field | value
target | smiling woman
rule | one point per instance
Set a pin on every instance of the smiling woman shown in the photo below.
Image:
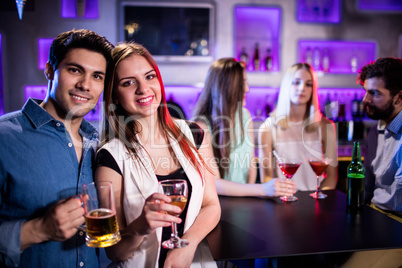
(142, 147)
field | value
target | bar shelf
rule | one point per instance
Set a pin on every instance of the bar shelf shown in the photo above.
(337, 57)
(258, 25)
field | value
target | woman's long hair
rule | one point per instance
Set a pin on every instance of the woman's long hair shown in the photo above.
(281, 113)
(220, 103)
(118, 124)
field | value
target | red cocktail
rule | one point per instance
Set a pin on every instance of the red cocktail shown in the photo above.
(319, 166)
(288, 168)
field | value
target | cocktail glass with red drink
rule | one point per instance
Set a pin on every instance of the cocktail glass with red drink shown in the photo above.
(319, 166)
(288, 167)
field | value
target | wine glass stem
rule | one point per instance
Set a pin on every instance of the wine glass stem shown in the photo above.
(318, 184)
(174, 231)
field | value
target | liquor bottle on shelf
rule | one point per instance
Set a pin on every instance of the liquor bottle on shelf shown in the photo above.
(256, 58)
(316, 8)
(354, 61)
(343, 125)
(244, 56)
(268, 60)
(317, 59)
(308, 56)
(325, 61)
(355, 107)
(334, 108)
(355, 180)
(328, 113)
(358, 125)
(267, 106)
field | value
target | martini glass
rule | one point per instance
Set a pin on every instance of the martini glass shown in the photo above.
(288, 167)
(319, 166)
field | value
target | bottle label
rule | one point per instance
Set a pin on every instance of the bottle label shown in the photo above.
(355, 193)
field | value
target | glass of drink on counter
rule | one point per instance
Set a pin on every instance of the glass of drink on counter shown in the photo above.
(319, 166)
(100, 215)
(288, 167)
(177, 190)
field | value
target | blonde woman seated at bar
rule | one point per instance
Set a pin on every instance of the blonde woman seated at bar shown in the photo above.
(229, 129)
(297, 129)
(144, 146)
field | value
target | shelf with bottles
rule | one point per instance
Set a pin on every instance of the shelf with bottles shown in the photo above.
(336, 57)
(256, 37)
(319, 11)
(344, 106)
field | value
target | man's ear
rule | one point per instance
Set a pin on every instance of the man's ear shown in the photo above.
(49, 72)
(398, 98)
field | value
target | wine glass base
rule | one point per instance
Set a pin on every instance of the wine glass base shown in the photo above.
(175, 243)
(288, 198)
(318, 195)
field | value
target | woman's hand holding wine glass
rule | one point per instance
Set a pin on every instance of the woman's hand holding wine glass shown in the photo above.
(288, 167)
(177, 190)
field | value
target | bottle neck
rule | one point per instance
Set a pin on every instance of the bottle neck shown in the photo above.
(356, 156)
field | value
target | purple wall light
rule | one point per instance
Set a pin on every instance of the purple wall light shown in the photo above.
(43, 52)
(80, 9)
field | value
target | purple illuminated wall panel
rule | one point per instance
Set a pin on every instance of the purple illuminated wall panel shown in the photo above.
(79, 8)
(43, 52)
(257, 24)
(257, 100)
(383, 5)
(341, 56)
(185, 96)
(1, 80)
(322, 11)
(39, 92)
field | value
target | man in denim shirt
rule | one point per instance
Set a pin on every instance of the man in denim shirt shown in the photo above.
(382, 81)
(46, 155)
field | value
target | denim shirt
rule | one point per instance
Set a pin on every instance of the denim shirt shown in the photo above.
(39, 167)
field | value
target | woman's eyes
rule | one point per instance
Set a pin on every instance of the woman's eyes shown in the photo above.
(129, 83)
(298, 82)
(150, 76)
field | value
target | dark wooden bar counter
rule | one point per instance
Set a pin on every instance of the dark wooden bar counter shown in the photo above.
(256, 228)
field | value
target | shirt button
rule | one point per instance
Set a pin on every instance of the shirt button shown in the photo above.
(81, 264)
(81, 233)
(70, 144)
(57, 124)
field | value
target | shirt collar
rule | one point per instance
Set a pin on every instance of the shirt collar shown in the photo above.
(39, 117)
(36, 114)
(395, 126)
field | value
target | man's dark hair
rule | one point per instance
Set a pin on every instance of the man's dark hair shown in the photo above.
(389, 69)
(78, 38)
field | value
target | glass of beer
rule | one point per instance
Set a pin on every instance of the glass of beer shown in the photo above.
(177, 191)
(100, 215)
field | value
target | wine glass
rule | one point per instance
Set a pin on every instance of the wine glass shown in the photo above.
(177, 191)
(319, 166)
(288, 167)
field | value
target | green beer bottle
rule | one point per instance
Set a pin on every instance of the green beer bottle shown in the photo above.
(355, 189)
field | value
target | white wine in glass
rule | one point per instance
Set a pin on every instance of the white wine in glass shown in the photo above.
(177, 190)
